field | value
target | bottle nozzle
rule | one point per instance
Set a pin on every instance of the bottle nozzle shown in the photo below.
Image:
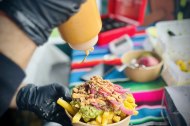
(86, 45)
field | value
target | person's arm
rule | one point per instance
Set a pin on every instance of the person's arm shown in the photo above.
(14, 43)
(17, 50)
(33, 23)
(15, 53)
(154, 16)
(160, 10)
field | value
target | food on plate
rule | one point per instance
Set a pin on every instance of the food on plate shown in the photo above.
(100, 102)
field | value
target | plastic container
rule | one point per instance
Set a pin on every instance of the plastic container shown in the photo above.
(124, 122)
(173, 75)
(176, 47)
(152, 42)
(130, 12)
(180, 29)
(174, 43)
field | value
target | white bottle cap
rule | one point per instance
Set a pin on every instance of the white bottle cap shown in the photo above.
(85, 46)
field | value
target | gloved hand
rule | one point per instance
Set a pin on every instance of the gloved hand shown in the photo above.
(42, 101)
(38, 17)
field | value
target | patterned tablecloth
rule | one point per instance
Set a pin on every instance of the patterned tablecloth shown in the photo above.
(148, 96)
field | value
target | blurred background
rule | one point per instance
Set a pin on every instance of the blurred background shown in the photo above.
(151, 25)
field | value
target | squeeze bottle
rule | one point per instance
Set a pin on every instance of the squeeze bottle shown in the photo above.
(81, 30)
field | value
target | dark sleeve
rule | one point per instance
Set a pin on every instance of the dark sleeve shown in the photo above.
(37, 18)
(11, 75)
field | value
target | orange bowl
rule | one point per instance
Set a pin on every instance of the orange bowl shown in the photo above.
(124, 122)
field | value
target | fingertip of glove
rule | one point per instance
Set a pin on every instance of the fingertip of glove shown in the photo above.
(63, 90)
(68, 99)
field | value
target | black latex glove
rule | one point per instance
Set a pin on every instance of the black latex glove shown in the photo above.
(38, 17)
(42, 101)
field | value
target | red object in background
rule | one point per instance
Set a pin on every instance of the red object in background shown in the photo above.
(148, 61)
(129, 11)
(93, 63)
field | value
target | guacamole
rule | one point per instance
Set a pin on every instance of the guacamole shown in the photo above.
(89, 112)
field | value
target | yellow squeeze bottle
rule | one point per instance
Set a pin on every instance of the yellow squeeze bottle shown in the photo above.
(81, 30)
